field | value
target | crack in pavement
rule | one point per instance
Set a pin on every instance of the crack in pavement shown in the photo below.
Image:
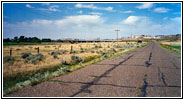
(163, 79)
(174, 65)
(95, 80)
(147, 63)
(159, 74)
(143, 88)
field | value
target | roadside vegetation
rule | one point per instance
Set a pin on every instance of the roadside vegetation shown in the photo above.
(173, 46)
(31, 64)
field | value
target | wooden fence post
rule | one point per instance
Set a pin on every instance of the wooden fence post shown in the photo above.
(10, 51)
(71, 49)
(38, 50)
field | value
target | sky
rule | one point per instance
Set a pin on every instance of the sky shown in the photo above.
(90, 20)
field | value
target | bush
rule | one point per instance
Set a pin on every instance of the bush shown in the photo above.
(55, 56)
(25, 55)
(77, 59)
(139, 41)
(73, 52)
(55, 53)
(34, 58)
(65, 69)
(9, 59)
(92, 51)
(64, 62)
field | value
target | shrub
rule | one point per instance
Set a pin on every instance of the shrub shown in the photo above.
(139, 41)
(55, 53)
(64, 62)
(93, 51)
(17, 49)
(25, 55)
(73, 51)
(34, 58)
(55, 56)
(9, 59)
(65, 69)
(77, 59)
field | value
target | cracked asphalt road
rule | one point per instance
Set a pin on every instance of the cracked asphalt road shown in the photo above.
(146, 72)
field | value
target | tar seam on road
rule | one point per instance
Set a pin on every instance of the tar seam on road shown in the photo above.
(143, 87)
(163, 79)
(95, 80)
(147, 63)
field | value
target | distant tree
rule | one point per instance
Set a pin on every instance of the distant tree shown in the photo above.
(22, 39)
(46, 40)
(16, 39)
(7, 40)
(35, 39)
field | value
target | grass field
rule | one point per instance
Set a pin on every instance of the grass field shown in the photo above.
(56, 58)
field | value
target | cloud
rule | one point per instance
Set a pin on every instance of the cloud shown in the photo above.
(52, 8)
(129, 11)
(80, 12)
(91, 6)
(161, 10)
(165, 18)
(29, 6)
(80, 20)
(56, 28)
(134, 19)
(47, 4)
(95, 13)
(145, 6)
(177, 13)
(90, 27)
(176, 19)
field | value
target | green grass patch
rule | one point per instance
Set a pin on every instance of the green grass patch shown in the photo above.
(176, 49)
(175, 46)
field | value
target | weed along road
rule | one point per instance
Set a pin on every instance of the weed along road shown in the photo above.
(146, 72)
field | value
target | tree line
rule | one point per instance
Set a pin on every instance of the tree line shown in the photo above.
(17, 39)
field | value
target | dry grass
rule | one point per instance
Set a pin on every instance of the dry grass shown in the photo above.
(171, 43)
(21, 68)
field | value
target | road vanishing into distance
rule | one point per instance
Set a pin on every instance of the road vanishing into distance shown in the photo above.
(150, 71)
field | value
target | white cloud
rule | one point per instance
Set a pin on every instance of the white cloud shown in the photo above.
(177, 19)
(161, 10)
(81, 20)
(47, 4)
(80, 12)
(42, 22)
(91, 6)
(177, 13)
(91, 26)
(95, 13)
(134, 19)
(145, 6)
(29, 6)
(129, 11)
(53, 8)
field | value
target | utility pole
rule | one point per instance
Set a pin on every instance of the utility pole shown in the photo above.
(117, 33)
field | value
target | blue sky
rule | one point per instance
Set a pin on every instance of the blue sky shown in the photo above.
(90, 20)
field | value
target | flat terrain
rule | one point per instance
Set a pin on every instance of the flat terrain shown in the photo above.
(147, 72)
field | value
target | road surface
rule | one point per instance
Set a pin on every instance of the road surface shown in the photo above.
(146, 72)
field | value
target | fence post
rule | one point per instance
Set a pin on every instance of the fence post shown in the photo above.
(71, 49)
(10, 51)
(38, 50)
